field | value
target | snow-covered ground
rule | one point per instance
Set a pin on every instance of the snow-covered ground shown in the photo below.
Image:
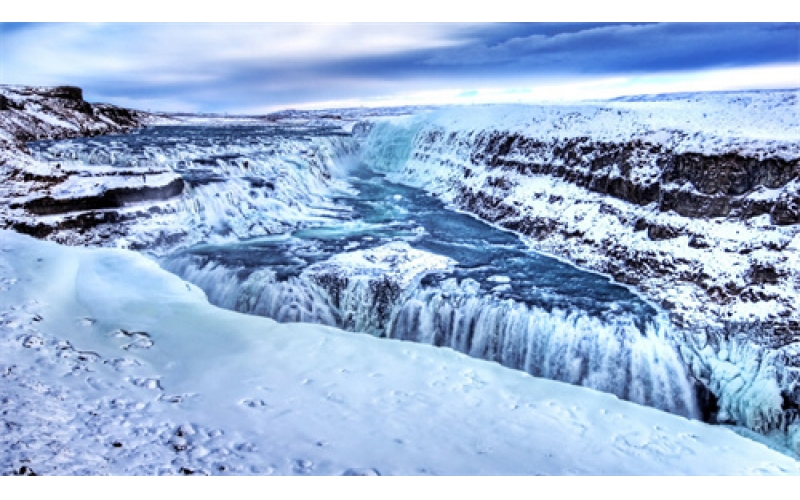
(111, 365)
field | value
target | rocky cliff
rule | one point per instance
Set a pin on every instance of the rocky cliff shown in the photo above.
(695, 202)
(32, 190)
(34, 113)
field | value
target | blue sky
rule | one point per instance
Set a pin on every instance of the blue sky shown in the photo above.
(261, 67)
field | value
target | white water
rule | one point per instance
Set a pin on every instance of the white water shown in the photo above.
(619, 354)
(612, 355)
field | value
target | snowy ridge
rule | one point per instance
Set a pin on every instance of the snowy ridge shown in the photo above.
(30, 113)
(627, 189)
(121, 368)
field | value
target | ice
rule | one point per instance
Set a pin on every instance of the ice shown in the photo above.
(223, 393)
(103, 340)
(397, 261)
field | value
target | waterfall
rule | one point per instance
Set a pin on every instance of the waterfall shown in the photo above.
(619, 354)
(607, 354)
(257, 292)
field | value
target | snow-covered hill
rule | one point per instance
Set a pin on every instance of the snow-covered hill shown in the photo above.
(31, 113)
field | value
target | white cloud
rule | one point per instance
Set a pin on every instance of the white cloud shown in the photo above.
(759, 77)
(198, 52)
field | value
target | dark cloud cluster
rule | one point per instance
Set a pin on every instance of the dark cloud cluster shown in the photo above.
(633, 48)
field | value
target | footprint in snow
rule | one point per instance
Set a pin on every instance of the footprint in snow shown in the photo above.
(147, 383)
(32, 341)
(139, 343)
(86, 321)
(361, 472)
(301, 466)
(121, 364)
(254, 403)
(176, 398)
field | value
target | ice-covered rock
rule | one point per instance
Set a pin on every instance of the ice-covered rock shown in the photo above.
(364, 286)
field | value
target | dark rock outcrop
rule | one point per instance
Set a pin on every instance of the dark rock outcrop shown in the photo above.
(112, 198)
(70, 115)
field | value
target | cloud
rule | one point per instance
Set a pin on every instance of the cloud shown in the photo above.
(635, 48)
(243, 67)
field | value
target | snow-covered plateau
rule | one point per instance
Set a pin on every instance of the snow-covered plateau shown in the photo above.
(456, 227)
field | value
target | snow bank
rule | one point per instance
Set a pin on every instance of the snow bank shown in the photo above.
(113, 366)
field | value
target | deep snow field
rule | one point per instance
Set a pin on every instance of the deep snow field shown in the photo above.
(114, 366)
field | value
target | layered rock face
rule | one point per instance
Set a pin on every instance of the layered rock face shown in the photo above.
(693, 185)
(695, 203)
(34, 113)
(43, 198)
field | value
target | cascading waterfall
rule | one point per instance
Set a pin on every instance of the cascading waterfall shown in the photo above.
(239, 182)
(258, 292)
(611, 355)
(523, 312)
(245, 183)
(620, 354)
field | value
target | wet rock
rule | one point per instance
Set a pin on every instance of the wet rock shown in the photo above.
(112, 198)
(761, 273)
(25, 471)
(658, 232)
(698, 241)
(786, 211)
(730, 173)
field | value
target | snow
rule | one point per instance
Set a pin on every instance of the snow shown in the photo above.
(101, 348)
(112, 366)
(753, 122)
(395, 261)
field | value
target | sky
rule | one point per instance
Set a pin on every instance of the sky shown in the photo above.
(251, 68)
